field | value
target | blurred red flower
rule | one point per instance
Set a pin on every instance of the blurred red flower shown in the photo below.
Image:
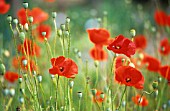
(63, 67)
(164, 46)
(140, 41)
(4, 7)
(143, 100)
(16, 63)
(121, 61)
(97, 53)
(50, 1)
(129, 76)
(165, 72)
(37, 13)
(43, 28)
(35, 50)
(98, 98)
(11, 76)
(99, 36)
(122, 45)
(152, 63)
(160, 17)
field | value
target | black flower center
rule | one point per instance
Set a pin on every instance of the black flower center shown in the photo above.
(61, 69)
(128, 79)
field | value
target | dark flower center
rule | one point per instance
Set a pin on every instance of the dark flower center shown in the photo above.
(61, 69)
(128, 79)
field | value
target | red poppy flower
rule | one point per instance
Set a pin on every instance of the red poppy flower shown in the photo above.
(43, 28)
(16, 63)
(4, 7)
(22, 15)
(11, 76)
(121, 61)
(140, 41)
(38, 15)
(164, 47)
(165, 72)
(99, 36)
(98, 98)
(122, 45)
(143, 100)
(152, 63)
(160, 17)
(63, 67)
(28, 48)
(97, 53)
(50, 1)
(129, 76)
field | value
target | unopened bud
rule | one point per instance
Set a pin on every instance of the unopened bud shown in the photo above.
(2, 68)
(43, 33)
(63, 27)
(12, 92)
(25, 62)
(26, 26)
(71, 83)
(132, 32)
(94, 91)
(20, 79)
(67, 20)
(39, 78)
(21, 100)
(66, 34)
(34, 73)
(21, 26)
(15, 21)
(59, 32)
(9, 19)
(30, 19)
(124, 103)
(96, 63)
(159, 79)
(155, 85)
(25, 5)
(22, 37)
(5, 91)
(102, 95)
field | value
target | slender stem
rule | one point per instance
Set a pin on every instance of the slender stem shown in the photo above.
(122, 98)
(57, 91)
(79, 104)
(9, 103)
(114, 97)
(97, 74)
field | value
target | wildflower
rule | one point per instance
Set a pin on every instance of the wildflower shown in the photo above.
(35, 50)
(99, 97)
(97, 53)
(140, 41)
(129, 76)
(164, 47)
(160, 17)
(152, 63)
(122, 45)
(22, 15)
(4, 7)
(63, 67)
(140, 101)
(99, 36)
(165, 72)
(43, 28)
(11, 76)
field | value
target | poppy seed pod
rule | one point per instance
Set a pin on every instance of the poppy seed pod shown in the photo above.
(9, 19)
(26, 26)
(102, 95)
(59, 32)
(79, 94)
(159, 79)
(2, 68)
(96, 63)
(66, 34)
(24, 62)
(20, 79)
(21, 26)
(31, 19)
(155, 85)
(5, 91)
(71, 83)
(124, 103)
(43, 33)
(54, 14)
(63, 27)
(22, 37)
(21, 100)
(39, 78)
(94, 91)
(67, 20)
(132, 32)
(25, 5)
(15, 21)
(12, 92)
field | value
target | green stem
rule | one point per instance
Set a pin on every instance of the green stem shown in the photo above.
(79, 104)
(122, 98)
(97, 74)
(9, 103)
(56, 92)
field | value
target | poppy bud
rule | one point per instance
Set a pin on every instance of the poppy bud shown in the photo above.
(71, 83)
(54, 14)
(102, 95)
(2, 68)
(63, 27)
(124, 103)
(94, 91)
(15, 21)
(9, 18)
(39, 78)
(5, 91)
(59, 32)
(22, 37)
(20, 79)
(159, 79)
(25, 5)
(43, 33)
(12, 92)
(155, 85)
(67, 20)
(21, 100)
(96, 63)
(132, 32)
(80, 94)
(26, 26)
(30, 19)
(66, 34)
